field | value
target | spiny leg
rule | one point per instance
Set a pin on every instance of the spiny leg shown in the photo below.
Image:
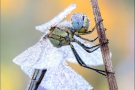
(90, 31)
(93, 48)
(94, 27)
(79, 60)
(36, 79)
(87, 39)
(86, 48)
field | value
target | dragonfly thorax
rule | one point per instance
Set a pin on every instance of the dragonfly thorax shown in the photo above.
(60, 37)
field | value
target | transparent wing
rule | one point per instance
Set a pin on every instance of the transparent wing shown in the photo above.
(56, 19)
(41, 55)
(90, 59)
(64, 78)
(65, 25)
(69, 54)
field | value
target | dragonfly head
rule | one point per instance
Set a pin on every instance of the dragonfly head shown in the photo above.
(80, 22)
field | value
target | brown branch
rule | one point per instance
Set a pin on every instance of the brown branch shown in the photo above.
(104, 47)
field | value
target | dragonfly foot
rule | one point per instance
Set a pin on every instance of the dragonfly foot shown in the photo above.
(105, 42)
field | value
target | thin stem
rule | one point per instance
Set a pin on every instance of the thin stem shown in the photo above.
(104, 48)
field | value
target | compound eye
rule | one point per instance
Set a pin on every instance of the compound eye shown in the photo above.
(77, 21)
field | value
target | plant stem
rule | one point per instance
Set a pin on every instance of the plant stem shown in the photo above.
(104, 47)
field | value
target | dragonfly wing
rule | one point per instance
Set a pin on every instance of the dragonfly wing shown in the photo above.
(64, 78)
(41, 55)
(56, 19)
(69, 54)
(28, 54)
(65, 25)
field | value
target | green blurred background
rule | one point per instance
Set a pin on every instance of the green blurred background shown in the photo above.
(18, 21)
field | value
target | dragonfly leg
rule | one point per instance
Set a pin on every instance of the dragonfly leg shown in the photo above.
(92, 48)
(79, 60)
(94, 27)
(86, 48)
(90, 31)
(36, 79)
(88, 39)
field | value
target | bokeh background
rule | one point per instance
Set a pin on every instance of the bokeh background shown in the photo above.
(18, 21)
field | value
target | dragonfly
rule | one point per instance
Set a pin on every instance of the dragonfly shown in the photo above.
(45, 62)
